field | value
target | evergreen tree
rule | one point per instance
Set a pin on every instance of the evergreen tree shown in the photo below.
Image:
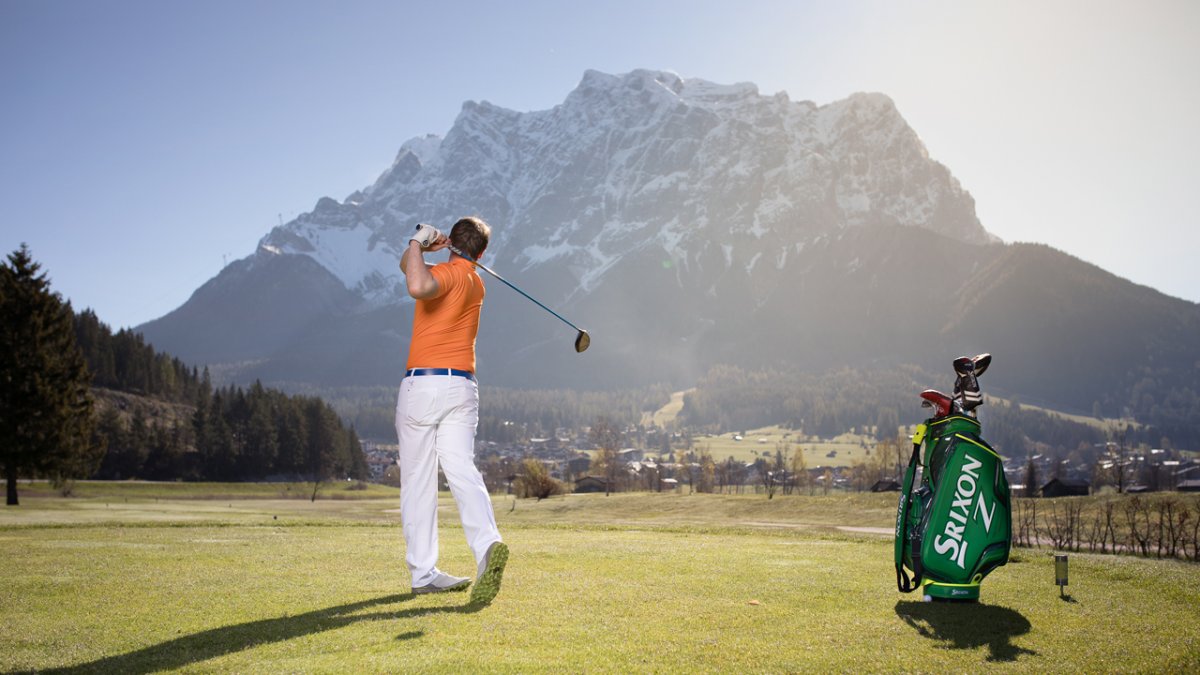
(1031, 478)
(261, 439)
(123, 456)
(45, 403)
(95, 340)
(218, 450)
(291, 432)
(323, 442)
(165, 459)
(358, 459)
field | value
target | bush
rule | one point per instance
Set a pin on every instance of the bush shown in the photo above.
(535, 481)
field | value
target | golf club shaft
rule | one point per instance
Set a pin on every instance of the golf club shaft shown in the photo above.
(485, 268)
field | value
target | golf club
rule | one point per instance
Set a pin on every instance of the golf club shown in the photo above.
(582, 339)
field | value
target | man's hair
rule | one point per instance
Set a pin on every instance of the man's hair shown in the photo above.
(470, 235)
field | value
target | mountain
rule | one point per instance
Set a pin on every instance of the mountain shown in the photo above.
(686, 223)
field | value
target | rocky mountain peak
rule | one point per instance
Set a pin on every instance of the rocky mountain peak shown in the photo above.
(646, 158)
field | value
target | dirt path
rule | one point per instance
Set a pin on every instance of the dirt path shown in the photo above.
(868, 530)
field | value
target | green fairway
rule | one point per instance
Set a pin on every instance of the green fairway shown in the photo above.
(632, 582)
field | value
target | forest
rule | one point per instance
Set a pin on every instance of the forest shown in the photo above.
(222, 434)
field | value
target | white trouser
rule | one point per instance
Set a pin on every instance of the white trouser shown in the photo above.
(436, 416)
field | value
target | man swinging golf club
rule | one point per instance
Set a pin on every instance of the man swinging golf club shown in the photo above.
(437, 411)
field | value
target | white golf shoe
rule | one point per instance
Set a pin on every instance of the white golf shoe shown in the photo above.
(442, 583)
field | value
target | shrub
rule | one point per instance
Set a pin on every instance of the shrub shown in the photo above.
(535, 481)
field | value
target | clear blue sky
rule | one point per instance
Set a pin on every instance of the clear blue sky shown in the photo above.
(144, 143)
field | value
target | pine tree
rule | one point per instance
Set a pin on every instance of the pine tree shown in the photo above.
(322, 451)
(1031, 478)
(45, 402)
(262, 441)
(219, 449)
(358, 460)
(291, 430)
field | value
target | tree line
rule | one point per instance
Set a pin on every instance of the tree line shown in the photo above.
(177, 427)
(232, 434)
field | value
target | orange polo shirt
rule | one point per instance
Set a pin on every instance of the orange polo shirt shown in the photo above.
(445, 326)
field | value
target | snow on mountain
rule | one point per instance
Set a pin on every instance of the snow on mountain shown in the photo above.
(368, 267)
(628, 162)
(425, 148)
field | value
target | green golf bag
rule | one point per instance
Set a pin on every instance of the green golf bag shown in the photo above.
(955, 526)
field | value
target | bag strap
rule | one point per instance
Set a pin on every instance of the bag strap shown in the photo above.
(903, 582)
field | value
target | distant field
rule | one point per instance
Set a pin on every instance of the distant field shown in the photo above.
(665, 416)
(628, 583)
(846, 449)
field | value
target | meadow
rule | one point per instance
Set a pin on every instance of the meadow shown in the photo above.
(843, 450)
(132, 578)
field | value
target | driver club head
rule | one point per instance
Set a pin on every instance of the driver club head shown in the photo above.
(582, 341)
(966, 387)
(981, 363)
(967, 364)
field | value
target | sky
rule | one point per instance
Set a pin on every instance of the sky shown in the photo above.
(144, 145)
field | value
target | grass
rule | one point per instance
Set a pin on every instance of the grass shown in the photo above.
(637, 582)
(846, 449)
(120, 503)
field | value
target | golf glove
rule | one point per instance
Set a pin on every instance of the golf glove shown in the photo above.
(426, 235)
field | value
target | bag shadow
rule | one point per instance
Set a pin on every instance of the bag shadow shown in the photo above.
(968, 626)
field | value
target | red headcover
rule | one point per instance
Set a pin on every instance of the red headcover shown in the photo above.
(940, 402)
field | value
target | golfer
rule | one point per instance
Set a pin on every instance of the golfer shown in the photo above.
(437, 411)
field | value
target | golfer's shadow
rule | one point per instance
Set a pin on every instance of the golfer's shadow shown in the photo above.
(209, 644)
(968, 626)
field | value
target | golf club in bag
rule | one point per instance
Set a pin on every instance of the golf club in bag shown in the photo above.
(956, 526)
(582, 339)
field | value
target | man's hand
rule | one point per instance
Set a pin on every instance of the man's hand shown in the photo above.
(429, 238)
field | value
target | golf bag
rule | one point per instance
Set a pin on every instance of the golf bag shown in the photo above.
(955, 526)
